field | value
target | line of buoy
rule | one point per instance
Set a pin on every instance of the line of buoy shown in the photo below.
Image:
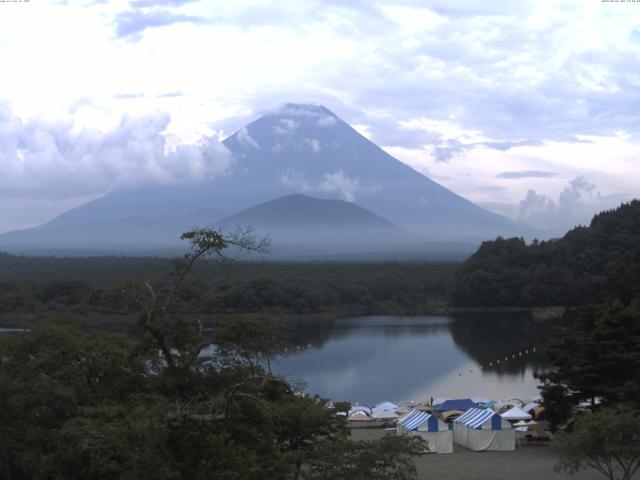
(513, 357)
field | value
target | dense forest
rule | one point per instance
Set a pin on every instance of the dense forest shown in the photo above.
(33, 288)
(587, 265)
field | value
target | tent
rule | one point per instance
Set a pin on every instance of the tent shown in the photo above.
(359, 416)
(463, 404)
(480, 429)
(515, 414)
(480, 400)
(359, 408)
(450, 415)
(504, 405)
(384, 410)
(437, 433)
(439, 400)
(385, 414)
(490, 404)
(530, 406)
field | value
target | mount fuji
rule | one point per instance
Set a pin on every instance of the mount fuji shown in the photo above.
(299, 149)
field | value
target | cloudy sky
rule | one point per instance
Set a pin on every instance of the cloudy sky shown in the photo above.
(529, 108)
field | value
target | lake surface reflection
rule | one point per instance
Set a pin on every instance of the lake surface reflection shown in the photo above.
(369, 359)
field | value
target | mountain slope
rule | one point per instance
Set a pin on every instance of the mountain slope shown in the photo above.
(308, 149)
(304, 212)
(322, 225)
(298, 149)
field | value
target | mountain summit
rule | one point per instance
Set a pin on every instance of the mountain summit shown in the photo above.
(304, 148)
(297, 149)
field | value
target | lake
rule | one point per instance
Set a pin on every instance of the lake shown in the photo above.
(375, 358)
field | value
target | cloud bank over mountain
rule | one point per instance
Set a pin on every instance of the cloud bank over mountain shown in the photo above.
(57, 161)
(460, 90)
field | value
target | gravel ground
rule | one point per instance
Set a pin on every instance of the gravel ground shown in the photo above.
(527, 463)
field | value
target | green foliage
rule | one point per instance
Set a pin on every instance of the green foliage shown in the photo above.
(90, 289)
(390, 458)
(606, 441)
(597, 358)
(80, 405)
(589, 264)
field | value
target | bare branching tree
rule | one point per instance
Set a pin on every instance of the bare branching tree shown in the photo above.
(179, 340)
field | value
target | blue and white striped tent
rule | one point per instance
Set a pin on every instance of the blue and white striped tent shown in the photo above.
(477, 417)
(418, 418)
(437, 433)
(483, 429)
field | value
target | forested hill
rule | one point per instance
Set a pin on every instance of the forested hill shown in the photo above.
(589, 264)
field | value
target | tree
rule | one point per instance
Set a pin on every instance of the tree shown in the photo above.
(597, 359)
(180, 339)
(389, 458)
(79, 405)
(51, 376)
(607, 441)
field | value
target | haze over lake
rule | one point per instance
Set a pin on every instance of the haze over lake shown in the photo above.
(375, 358)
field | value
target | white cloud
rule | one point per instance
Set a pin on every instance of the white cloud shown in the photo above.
(245, 139)
(295, 180)
(41, 159)
(336, 182)
(477, 84)
(327, 121)
(576, 205)
(286, 128)
(341, 183)
(314, 144)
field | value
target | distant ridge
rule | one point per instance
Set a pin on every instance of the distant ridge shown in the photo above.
(314, 224)
(302, 211)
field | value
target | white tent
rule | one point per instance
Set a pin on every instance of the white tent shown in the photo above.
(359, 416)
(359, 408)
(437, 433)
(384, 414)
(504, 405)
(483, 429)
(530, 406)
(480, 400)
(516, 414)
(386, 407)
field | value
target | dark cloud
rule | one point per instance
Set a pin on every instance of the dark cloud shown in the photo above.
(526, 174)
(132, 23)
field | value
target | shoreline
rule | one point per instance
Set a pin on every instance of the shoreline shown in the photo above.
(122, 322)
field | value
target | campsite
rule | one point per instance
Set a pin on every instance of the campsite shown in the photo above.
(477, 443)
(476, 423)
